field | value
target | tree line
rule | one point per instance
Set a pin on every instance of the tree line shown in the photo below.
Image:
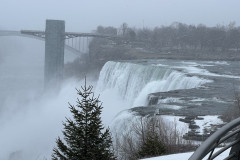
(178, 36)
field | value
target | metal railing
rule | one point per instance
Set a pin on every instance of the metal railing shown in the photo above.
(226, 137)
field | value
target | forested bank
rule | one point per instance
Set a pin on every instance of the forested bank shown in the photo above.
(177, 36)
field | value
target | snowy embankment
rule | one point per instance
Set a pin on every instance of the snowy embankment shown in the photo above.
(126, 117)
(186, 156)
(122, 124)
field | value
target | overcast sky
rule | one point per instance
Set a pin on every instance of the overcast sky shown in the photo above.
(86, 15)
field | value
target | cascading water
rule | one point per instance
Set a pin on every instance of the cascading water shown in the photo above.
(134, 82)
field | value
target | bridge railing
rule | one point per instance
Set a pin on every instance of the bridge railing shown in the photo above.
(226, 137)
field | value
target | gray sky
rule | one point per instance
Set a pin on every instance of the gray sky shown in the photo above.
(86, 15)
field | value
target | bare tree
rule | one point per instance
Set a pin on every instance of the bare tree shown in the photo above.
(148, 137)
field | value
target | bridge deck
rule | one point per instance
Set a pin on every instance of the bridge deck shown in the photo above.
(67, 34)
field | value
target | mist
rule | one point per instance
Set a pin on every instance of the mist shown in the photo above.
(31, 119)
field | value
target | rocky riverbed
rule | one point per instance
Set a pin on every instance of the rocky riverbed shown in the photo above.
(213, 98)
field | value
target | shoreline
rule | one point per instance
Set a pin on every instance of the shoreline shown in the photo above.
(184, 55)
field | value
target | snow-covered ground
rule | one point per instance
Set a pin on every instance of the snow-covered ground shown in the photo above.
(207, 123)
(186, 156)
(124, 118)
(173, 121)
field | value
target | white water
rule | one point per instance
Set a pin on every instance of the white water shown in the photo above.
(134, 82)
(30, 123)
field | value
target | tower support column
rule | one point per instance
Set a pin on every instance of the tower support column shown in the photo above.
(54, 53)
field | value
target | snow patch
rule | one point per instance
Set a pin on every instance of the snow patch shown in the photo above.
(207, 122)
(174, 107)
(187, 155)
(173, 122)
(170, 100)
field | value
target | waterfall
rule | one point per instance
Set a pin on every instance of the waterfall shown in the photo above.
(134, 82)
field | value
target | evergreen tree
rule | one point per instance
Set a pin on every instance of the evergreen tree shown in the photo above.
(84, 137)
(152, 144)
(151, 147)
